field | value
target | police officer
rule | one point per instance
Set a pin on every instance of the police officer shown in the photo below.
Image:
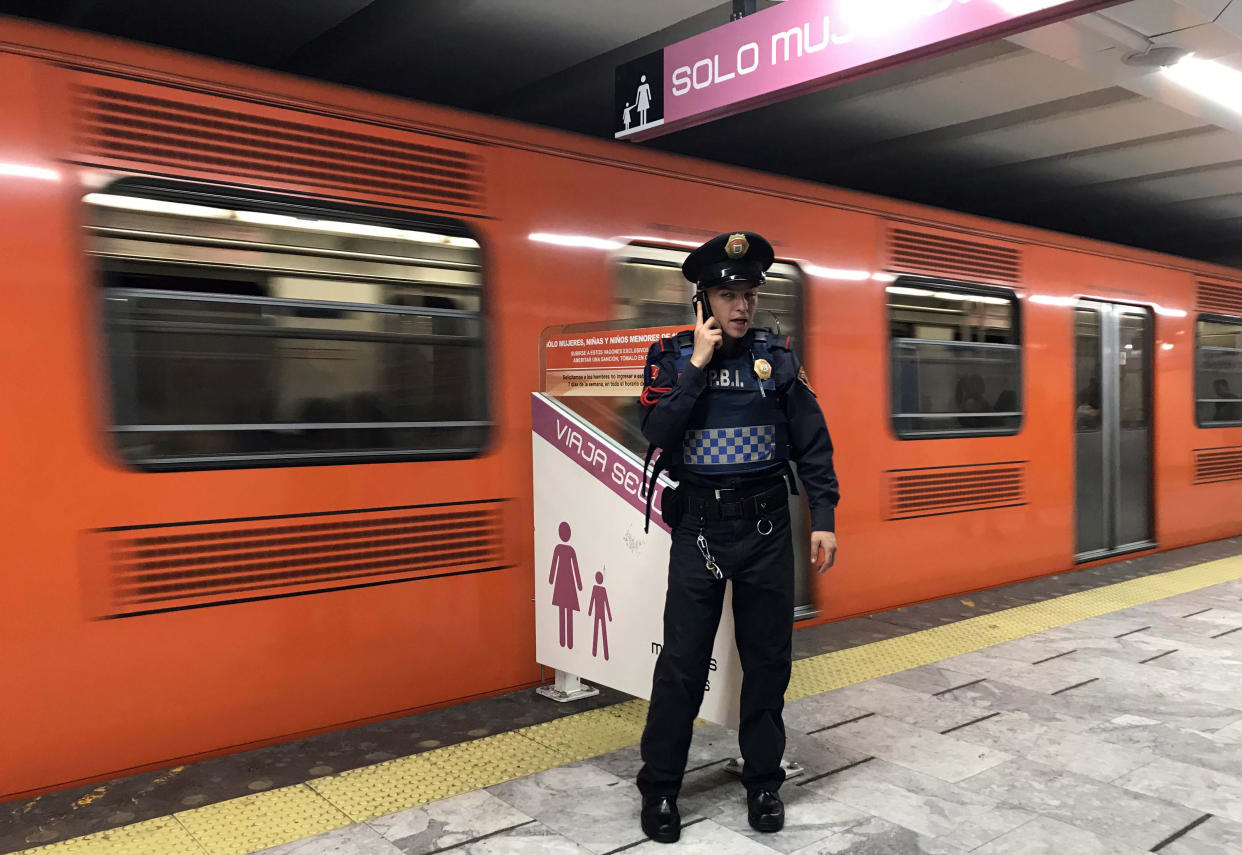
(729, 405)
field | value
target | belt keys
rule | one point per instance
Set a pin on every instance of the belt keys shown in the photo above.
(759, 523)
(712, 566)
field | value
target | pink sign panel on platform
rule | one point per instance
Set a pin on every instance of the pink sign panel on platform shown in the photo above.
(600, 575)
(804, 45)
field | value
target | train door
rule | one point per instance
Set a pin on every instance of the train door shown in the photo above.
(1112, 428)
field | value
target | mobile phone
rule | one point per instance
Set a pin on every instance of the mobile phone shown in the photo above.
(700, 299)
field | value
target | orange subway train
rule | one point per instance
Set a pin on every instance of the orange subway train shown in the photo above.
(269, 346)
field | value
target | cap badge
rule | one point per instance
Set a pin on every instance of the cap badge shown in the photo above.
(737, 246)
(763, 369)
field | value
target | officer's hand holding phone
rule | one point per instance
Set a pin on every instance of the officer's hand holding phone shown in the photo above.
(707, 336)
(826, 541)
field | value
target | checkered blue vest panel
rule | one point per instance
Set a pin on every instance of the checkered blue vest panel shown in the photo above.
(735, 428)
(727, 446)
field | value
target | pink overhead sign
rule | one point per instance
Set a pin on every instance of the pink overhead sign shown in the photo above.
(804, 45)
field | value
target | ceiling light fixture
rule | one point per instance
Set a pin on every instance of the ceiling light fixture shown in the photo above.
(1156, 56)
(1208, 78)
(1141, 51)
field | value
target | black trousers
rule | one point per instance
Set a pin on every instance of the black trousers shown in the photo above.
(761, 569)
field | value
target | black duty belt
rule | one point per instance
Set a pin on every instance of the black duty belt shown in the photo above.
(734, 504)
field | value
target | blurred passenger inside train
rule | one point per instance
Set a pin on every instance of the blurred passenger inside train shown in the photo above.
(1226, 412)
(970, 396)
(1087, 415)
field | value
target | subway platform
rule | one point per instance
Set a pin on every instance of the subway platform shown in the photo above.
(1091, 712)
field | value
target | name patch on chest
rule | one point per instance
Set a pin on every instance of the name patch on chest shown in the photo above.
(727, 378)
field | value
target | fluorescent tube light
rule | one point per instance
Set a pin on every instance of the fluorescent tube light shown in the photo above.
(1209, 79)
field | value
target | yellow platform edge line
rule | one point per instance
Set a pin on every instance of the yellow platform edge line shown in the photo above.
(828, 671)
(244, 825)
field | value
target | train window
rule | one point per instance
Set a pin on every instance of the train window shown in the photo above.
(1218, 372)
(250, 332)
(956, 359)
(652, 292)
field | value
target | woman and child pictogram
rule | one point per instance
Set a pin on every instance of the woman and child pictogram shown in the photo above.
(566, 582)
(643, 100)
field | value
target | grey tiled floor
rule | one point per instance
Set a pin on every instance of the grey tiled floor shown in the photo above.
(1072, 741)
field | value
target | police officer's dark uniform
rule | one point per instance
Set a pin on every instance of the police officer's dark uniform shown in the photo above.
(727, 434)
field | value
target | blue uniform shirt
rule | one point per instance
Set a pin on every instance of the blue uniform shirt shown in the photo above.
(699, 418)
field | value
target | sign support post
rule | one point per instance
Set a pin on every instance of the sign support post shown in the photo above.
(568, 687)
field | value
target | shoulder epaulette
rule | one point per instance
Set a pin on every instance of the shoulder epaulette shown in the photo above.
(768, 337)
(677, 342)
(782, 342)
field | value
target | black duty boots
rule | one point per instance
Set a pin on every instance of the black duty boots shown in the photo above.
(765, 811)
(661, 821)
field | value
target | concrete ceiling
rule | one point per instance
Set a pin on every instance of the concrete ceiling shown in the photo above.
(1049, 128)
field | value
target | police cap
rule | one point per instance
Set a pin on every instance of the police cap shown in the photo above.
(732, 257)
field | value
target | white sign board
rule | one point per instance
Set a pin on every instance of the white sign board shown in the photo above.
(599, 580)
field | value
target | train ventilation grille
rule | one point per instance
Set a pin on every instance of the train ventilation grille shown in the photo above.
(1218, 464)
(947, 254)
(1219, 297)
(140, 126)
(955, 489)
(156, 568)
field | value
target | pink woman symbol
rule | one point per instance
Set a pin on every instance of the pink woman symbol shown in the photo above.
(599, 607)
(566, 582)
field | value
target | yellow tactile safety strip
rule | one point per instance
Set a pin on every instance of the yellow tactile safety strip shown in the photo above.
(245, 825)
(388, 787)
(251, 823)
(866, 662)
(153, 837)
(577, 737)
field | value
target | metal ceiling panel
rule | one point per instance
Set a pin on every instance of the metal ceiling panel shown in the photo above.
(1200, 146)
(1156, 17)
(996, 85)
(1210, 9)
(1201, 183)
(1068, 132)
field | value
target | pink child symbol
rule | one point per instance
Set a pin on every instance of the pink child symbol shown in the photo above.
(566, 582)
(599, 607)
